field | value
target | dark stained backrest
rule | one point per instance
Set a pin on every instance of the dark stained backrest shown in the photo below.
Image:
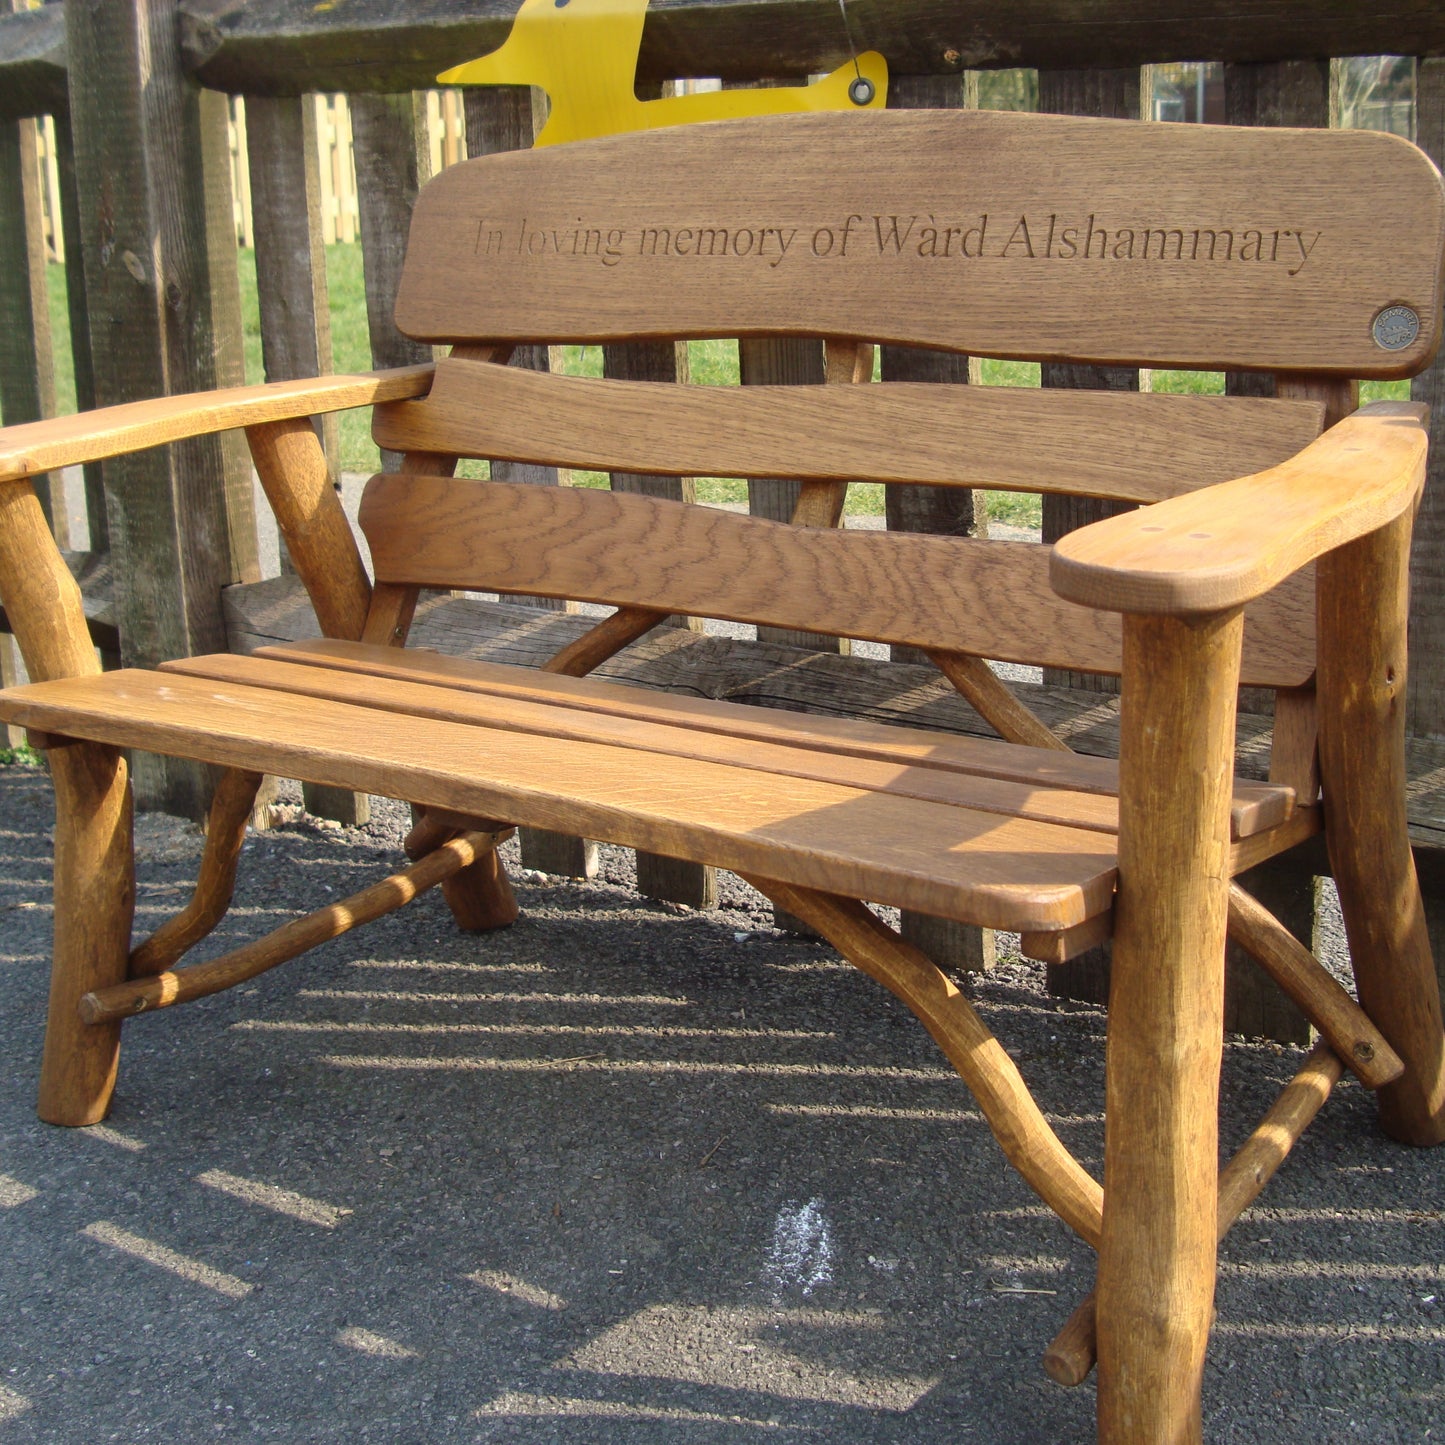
(1038, 237)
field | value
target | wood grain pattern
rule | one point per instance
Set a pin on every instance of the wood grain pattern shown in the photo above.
(37, 447)
(1254, 809)
(822, 179)
(924, 433)
(1229, 544)
(1094, 811)
(1364, 593)
(94, 905)
(1166, 997)
(961, 594)
(950, 861)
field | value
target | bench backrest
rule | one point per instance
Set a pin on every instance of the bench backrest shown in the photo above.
(1001, 235)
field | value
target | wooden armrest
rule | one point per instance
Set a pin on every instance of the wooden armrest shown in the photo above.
(41, 446)
(1223, 546)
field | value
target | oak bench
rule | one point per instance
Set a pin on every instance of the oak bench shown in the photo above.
(1267, 547)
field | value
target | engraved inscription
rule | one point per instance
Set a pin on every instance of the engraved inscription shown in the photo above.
(988, 235)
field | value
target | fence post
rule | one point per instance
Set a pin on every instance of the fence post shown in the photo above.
(140, 155)
(1427, 562)
(1115, 94)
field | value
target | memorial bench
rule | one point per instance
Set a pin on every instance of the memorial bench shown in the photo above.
(1275, 555)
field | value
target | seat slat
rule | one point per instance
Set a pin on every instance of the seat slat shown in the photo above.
(990, 598)
(1094, 811)
(949, 861)
(1005, 438)
(1256, 808)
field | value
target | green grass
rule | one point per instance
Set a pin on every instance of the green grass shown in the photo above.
(712, 363)
(22, 757)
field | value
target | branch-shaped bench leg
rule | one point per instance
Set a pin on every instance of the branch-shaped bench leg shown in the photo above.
(94, 906)
(1166, 1010)
(1363, 592)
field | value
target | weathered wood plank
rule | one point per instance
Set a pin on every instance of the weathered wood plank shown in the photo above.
(32, 63)
(141, 177)
(27, 369)
(292, 46)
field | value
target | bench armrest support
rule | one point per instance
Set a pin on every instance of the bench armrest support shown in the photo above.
(1222, 546)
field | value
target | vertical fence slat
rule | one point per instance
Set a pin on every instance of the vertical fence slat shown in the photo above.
(1427, 562)
(141, 176)
(1116, 94)
(27, 371)
(78, 309)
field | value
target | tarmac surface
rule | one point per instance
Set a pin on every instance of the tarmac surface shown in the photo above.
(621, 1173)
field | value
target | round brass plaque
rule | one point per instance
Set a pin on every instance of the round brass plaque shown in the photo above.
(1395, 328)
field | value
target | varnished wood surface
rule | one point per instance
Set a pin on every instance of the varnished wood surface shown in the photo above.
(1093, 811)
(1254, 810)
(1166, 1006)
(91, 435)
(1224, 546)
(940, 593)
(1130, 447)
(1308, 305)
(994, 871)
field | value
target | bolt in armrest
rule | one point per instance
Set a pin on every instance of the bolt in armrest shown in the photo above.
(1222, 546)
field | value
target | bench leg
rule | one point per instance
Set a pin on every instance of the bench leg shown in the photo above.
(1161, 1164)
(94, 906)
(480, 896)
(1363, 591)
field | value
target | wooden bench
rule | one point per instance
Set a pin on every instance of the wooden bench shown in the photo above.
(1274, 555)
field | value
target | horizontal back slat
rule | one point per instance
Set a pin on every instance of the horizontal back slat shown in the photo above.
(964, 594)
(1040, 237)
(1131, 447)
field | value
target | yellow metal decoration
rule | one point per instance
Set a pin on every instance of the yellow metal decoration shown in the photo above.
(583, 53)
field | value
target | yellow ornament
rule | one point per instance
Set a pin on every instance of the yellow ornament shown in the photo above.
(583, 53)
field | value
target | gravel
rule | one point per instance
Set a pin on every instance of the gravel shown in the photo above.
(620, 1173)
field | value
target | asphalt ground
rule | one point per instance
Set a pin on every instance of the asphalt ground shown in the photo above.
(620, 1173)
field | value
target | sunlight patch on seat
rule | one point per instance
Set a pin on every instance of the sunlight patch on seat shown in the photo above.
(271, 1196)
(510, 1285)
(756, 1350)
(167, 1259)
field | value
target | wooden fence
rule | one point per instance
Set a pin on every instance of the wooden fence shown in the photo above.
(143, 186)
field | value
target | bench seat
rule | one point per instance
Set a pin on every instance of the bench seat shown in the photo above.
(895, 815)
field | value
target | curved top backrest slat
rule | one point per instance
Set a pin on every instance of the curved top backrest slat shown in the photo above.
(1036, 237)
